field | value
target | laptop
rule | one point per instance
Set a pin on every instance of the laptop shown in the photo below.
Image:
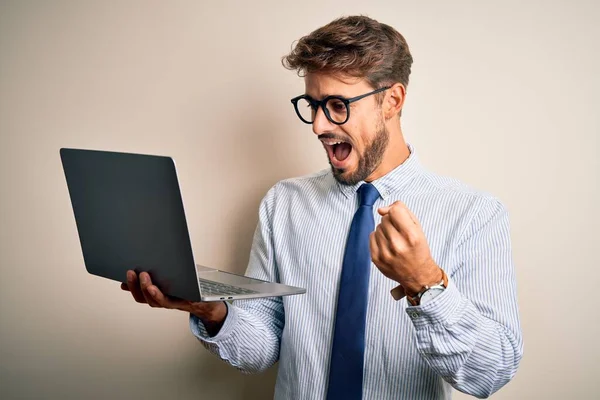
(129, 214)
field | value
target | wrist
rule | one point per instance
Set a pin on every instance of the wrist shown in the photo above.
(416, 288)
(427, 277)
(429, 292)
(212, 316)
(210, 312)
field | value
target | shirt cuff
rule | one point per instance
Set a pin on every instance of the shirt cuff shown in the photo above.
(199, 330)
(440, 310)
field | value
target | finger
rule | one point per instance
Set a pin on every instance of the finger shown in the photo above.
(146, 283)
(388, 229)
(409, 227)
(156, 298)
(124, 287)
(134, 287)
(383, 210)
(150, 299)
(384, 248)
(374, 248)
(400, 218)
(166, 301)
(413, 217)
(152, 295)
(395, 235)
(405, 210)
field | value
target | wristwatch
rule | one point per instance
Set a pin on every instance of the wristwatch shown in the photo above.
(427, 294)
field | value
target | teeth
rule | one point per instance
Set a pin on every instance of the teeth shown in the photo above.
(331, 143)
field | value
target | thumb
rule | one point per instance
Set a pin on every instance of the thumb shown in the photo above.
(385, 210)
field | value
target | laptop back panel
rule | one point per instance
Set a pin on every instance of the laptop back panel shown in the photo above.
(129, 215)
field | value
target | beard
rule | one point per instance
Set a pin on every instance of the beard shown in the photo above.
(368, 160)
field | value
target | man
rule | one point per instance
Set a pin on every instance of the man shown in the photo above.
(410, 283)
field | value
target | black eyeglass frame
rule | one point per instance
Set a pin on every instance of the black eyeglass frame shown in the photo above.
(315, 104)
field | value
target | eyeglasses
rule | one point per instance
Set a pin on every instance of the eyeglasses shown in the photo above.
(336, 108)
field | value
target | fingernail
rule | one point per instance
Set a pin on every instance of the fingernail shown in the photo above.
(152, 292)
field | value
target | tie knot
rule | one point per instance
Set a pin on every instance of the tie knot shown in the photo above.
(368, 194)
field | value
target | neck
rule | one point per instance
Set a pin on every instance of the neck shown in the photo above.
(396, 153)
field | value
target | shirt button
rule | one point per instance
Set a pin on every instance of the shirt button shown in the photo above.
(413, 314)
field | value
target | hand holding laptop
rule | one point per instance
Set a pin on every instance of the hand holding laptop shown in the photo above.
(212, 314)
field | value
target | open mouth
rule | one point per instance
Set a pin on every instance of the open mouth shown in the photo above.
(337, 150)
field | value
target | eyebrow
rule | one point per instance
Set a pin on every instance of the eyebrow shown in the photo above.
(327, 95)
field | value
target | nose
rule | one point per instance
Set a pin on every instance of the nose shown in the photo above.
(321, 124)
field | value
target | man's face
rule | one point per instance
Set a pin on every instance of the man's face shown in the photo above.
(356, 148)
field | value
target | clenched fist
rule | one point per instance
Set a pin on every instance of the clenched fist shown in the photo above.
(400, 250)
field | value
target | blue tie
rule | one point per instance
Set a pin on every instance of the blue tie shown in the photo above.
(347, 354)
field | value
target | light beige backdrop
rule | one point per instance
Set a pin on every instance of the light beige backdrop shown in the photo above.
(503, 95)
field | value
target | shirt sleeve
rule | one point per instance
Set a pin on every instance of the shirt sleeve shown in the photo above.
(470, 334)
(250, 336)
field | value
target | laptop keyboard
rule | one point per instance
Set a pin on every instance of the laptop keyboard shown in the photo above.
(221, 289)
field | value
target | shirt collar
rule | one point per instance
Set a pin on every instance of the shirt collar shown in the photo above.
(391, 182)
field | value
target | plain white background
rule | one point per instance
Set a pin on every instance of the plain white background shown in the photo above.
(503, 96)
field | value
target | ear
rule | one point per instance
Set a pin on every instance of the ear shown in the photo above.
(393, 101)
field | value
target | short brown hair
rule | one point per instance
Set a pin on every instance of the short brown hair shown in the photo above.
(356, 46)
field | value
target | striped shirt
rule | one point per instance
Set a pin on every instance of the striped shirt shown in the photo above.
(468, 337)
